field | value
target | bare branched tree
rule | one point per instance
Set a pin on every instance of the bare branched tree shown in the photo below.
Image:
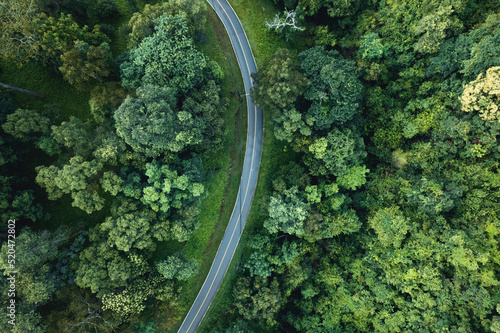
(288, 20)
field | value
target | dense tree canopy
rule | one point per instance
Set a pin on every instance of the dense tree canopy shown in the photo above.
(377, 209)
(401, 241)
(334, 88)
(142, 23)
(131, 160)
(152, 124)
(167, 58)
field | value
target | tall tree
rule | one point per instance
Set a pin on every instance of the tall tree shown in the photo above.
(129, 227)
(84, 66)
(168, 57)
(142, 23)
(334, 153)
(152, 124)
(334, 88)
(287, 213)
(22, 124)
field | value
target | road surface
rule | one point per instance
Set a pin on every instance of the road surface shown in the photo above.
(249, 175)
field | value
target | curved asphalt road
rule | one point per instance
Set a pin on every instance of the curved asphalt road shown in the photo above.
(248, 178)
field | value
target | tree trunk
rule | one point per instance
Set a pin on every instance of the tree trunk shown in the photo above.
(21, 90)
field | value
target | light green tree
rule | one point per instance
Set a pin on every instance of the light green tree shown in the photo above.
(287, 213)
(334, 153)
(433, 28)
(176, 268)
(354, 178)
(111, 182)
(23, 124)
(390, 225)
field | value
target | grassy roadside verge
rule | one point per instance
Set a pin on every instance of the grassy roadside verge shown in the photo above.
(222, 309)
(227, 164)
(253, 14)
(264, 44)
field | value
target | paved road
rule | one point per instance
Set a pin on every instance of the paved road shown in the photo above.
(248, 178)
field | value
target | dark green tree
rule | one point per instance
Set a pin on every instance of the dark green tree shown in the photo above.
(167, 58)
(152, 124)
(334, 88)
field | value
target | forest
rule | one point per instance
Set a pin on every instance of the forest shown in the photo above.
(380, 212)
(106, 199)
(379, 188)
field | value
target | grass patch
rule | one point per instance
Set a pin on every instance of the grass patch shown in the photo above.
(60, 96)
(253, 15)
(119, 41)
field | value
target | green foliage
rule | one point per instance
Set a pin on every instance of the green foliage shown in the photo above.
(287, 213)
(280, 84)
(371, 47)
(146, 328)
(111, 183)
(142, 23)
(27, 320)
(35, 280)
(259, 299)
(433, 27)
(289, 122)
(334, 153)
(59, 35)
(22, 124)
(87, 201)
(354, 178)
(410, 247)
(433, 197)
(86, 159)
(334, 8)
(258, 264)
(334, 87)
(131, 300)
(167, 58)
(176, 268)
(390, 226)
(103, 268)
(72, 179)
(74, 134)
(152, 125)
(128, 231)
(106, 98)
(83, 64)
(168, 189)
(17, 32)
(49, 145)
